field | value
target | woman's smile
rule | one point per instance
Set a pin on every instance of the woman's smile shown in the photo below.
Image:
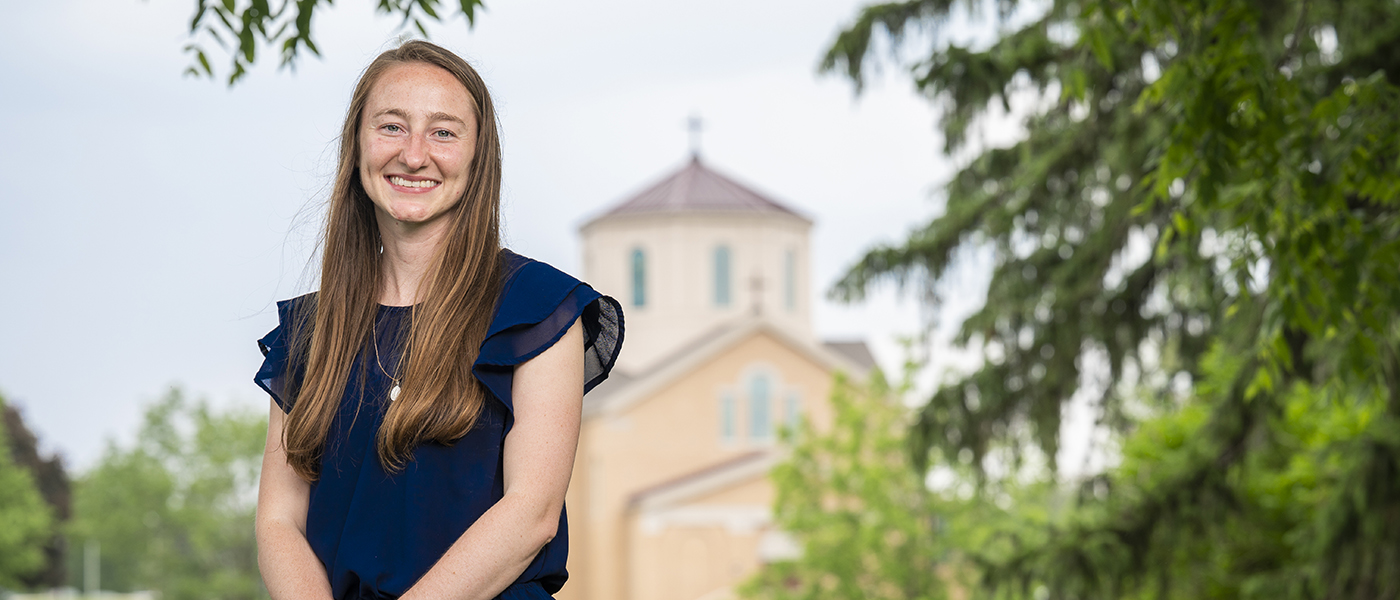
(411, 185)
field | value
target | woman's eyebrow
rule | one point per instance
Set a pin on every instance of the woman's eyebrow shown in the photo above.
(437, 116)
(442, 116)
(447, 116)
(391, 111)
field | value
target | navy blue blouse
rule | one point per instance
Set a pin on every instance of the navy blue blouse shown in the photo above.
(378, 533)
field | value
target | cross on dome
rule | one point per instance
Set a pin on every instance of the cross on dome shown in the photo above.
(695, 124)
(756, 286)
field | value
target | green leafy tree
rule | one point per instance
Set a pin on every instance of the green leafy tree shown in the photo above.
(174, 512)
(51, 480)
(241, 27)
(26, 523)
(866, 523)
(1205, 204)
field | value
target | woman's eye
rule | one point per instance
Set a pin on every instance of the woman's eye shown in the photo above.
(443, 133)
(391, 128)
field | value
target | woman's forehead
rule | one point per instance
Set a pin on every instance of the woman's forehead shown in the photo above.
(419, 90)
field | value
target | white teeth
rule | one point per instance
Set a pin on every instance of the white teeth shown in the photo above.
(399, 181)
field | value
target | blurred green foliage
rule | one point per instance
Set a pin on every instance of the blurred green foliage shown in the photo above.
(51, 481)
(26, 521)
(1199, 232)
(868, 524)
(239, 27)
(863, 515)
(174, 511)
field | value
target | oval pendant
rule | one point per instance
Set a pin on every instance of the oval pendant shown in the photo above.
(394, 393)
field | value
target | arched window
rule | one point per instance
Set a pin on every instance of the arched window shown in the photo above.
(639, 277)
(790, 280)
(727, 417)
(722, 276)
(760, 409)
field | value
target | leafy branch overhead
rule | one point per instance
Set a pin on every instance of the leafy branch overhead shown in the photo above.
(240, 27)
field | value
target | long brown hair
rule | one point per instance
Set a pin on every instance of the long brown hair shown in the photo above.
(440, 398)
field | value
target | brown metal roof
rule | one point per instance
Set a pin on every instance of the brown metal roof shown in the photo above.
(854, 350)
(697, 188)
(675, 482)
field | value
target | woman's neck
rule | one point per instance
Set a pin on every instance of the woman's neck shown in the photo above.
(408, 253)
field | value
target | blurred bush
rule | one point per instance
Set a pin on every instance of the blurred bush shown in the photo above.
(173, 512)
(26, 521)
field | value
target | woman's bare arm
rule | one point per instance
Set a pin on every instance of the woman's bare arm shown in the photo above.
(289, 568)
(547, 394)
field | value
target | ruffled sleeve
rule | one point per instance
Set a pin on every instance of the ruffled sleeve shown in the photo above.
(273, 376)
(538, 304)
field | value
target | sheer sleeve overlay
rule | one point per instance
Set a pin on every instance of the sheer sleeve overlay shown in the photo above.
(537, 306)
(273, 376)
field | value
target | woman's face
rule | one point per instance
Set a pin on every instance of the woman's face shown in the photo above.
(417, 140)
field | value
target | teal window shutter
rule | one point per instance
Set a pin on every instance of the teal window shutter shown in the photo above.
(760, 411)
(639, 277)
(722, 276)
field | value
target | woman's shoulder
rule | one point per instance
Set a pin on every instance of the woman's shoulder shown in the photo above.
(537, 305)
(296, 307)
(520, 270)
(531, 290)
(288, 311)
(273, 376)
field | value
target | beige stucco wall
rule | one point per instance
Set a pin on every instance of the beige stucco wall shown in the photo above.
(708, 543)
(671, 433)
(680, 296)
(685, 563)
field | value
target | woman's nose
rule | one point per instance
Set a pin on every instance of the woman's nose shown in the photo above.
(415, 153)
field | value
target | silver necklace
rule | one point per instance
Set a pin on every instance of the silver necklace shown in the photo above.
(394, 391)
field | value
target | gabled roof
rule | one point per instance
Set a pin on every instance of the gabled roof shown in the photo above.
(712, 478)
(854, 350)
(696, 188)
(618, 393)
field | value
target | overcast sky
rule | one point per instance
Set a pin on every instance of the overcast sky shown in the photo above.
(150, 221)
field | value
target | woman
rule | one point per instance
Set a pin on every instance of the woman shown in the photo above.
(426, 401)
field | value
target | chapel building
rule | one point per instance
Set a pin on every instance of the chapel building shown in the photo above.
(670, 498)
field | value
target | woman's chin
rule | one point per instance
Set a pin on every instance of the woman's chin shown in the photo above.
(410, 214)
